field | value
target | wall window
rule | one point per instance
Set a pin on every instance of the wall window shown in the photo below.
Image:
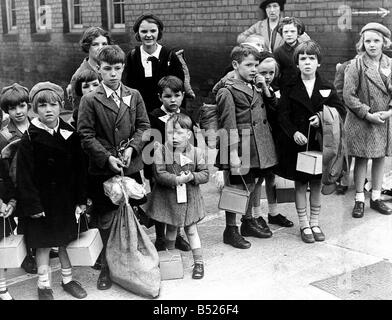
(116, 14)
(11, 15)
(75, 14)
(43, 15)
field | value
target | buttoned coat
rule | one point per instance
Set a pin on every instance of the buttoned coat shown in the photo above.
(294, 110)
(367, 89)
(242, 116)
(103, 125)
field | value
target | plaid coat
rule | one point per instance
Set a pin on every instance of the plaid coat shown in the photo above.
(368, 90)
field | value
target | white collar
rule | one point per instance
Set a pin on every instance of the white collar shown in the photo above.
(155, 54)
(43, 126)
(110, 91)
(169, 113)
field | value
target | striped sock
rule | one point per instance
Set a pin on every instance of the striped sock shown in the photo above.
(66, 274)
(43, 277)
(197, 255)
(303, 218)
(314, 215)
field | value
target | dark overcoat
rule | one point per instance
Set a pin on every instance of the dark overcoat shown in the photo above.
(51, 178)
(243, 119)
(294, 110)
(367, 89)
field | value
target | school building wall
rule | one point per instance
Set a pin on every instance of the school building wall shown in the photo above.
(207, 30)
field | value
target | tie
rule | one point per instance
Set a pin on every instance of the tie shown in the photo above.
(116, 98)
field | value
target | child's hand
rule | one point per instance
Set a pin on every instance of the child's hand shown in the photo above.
(300, 139)
(9, 208)
(127, 157)
(235, 161)
(314, 121)
(80, 209)
(375, 118)
(384, 115)
(38, 215)
(260, 81)
(115, 164)
(185, 178)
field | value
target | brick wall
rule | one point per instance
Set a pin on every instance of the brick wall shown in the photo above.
(207, 30)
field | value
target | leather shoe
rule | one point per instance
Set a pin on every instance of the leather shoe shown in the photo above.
(232, 237)
(250, 228)
(307, 238)
(29, 265)
(280, 221)
(75, 289)
(160, 244)
(182, 244)
(104, 282)
(359, 209)
(380, 206)
(45, 294)
(198, 270)
(318, 236)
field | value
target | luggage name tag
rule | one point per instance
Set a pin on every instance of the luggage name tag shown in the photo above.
(164, 118)
(181, 193)
(148, 69)
(127, 100)
(65, 133)
(325, 93)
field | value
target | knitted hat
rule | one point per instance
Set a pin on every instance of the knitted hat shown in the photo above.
(41, 86)
(16, 87)
(377, 27)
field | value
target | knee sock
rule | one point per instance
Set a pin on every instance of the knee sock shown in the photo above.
(314, 215)
(273, 209)
(376, 194)
(66, 275)
(303, 218)
(360, 196)
(43, 277)
(197, 255)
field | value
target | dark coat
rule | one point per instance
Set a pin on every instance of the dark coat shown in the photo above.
(102, 126)
(294, 110)
(242, 108)
(287, 67)
(51, 178)
(368, 90)
(133, 75)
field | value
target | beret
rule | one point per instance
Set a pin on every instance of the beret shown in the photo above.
(377, 27)
(139, 20)
(41, 86)
(14, 86)
(264, 3)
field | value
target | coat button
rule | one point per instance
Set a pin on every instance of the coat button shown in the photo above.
(116, 129)
(265, 121)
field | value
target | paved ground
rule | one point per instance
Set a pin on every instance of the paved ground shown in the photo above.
(282, 267)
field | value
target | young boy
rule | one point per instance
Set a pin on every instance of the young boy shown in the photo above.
(14, 101)
(108, 116)
(171, 94)
(250, 147)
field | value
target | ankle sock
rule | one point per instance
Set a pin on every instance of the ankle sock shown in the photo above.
(197, 255)
(43, 277)
(303, 218)
(256, 211)
(376, 194)
(314, 215)
(273, 209)
(66, 275)
(360, 196)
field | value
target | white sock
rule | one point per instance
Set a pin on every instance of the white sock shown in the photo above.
(360, 196)
(273, 209)
(256, 212)
(376, 194)
(43, 277)
(66, 274)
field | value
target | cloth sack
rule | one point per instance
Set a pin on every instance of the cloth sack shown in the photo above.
(132, 258)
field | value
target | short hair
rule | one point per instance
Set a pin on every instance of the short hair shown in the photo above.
(360, 45)
(90, 34)
(269, 56)
(150, 18)
(13, 97)
(309, 47)
(172, 82)
(111, 54)
(292, 20)
(184, 121)
(84, 76)
(45, 96)
(239, 53)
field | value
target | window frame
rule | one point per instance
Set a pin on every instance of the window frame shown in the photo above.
(71, 17)
(115, 27)
(48, 11)
(8, 7)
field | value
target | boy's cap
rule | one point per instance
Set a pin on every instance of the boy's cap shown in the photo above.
(14, 86)
(41, 86)
(377, 27)
(264, 3)
(139, 20)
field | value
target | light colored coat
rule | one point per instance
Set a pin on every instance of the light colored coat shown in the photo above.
(365, 91)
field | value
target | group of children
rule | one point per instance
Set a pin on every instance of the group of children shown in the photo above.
(57, 166)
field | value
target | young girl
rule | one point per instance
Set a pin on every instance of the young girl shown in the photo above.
(367, 92)
(300, 106)
(269, 70)
(176, 198)
(51, 191)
